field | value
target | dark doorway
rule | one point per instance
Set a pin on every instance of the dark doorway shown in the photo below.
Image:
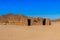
(44, 21)
(50, 23)
(29, 22)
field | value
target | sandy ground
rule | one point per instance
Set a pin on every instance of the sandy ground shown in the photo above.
(14, 32)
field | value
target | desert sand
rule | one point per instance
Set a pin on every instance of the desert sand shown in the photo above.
(15, 32)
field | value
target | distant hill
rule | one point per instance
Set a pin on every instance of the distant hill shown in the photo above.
(56, 20)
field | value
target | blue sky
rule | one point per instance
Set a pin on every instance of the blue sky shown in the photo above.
(35, 8)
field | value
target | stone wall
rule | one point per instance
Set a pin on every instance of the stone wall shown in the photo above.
(22, 20)
(36, 21)
(46, 21)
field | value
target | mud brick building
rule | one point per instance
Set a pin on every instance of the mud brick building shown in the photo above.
(22, 20)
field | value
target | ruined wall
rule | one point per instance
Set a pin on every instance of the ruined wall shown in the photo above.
(17, 20)
(36, 21)
(1, 20)
(40, 21)
(9, 19)
(46, 21)
(22, 20)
